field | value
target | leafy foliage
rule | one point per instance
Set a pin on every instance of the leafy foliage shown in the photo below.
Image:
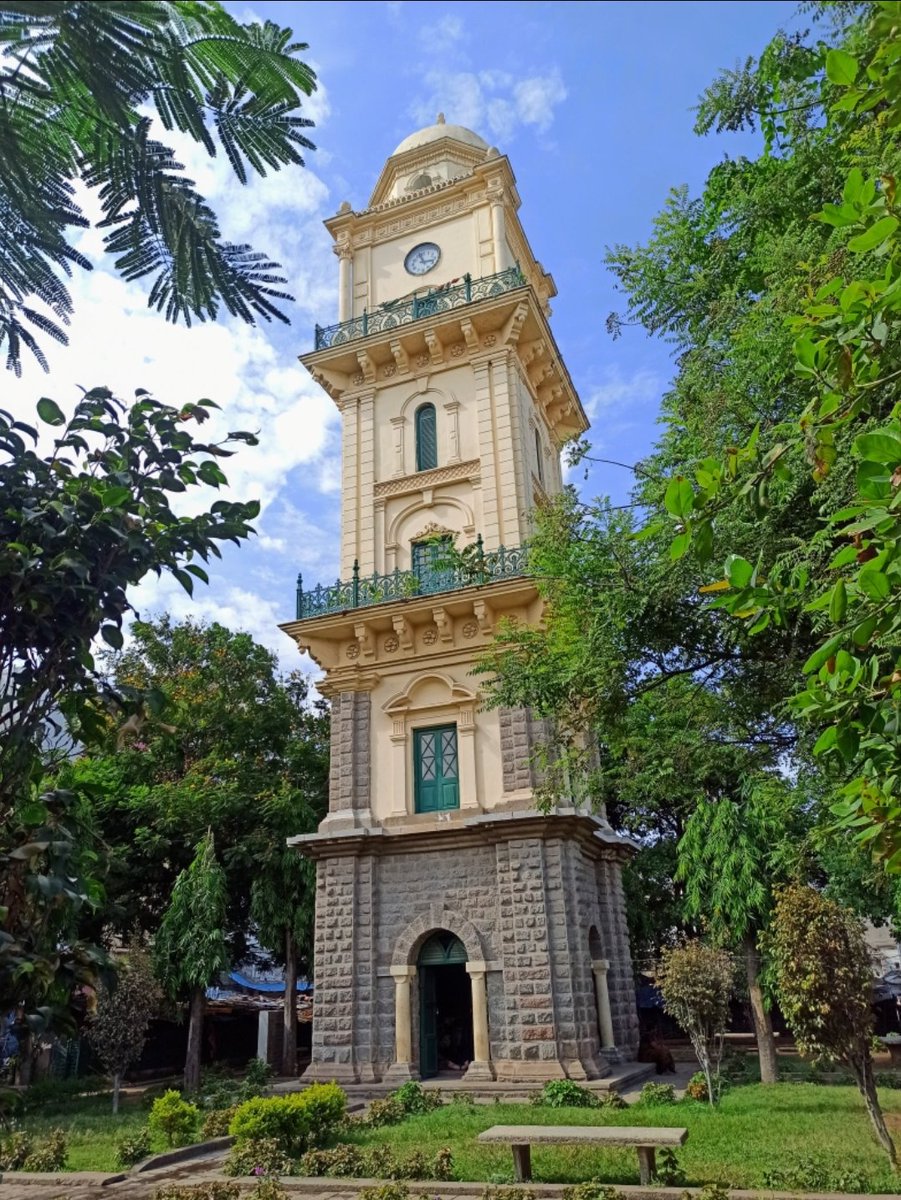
(190, 948)
(77, 82)
(657, 1093)
(824, 980)
(133, 1148)
(174, 1117)
(119, 1024)
(695, 981)
(564, 1093)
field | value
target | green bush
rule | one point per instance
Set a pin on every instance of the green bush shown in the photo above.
(710, 1191)
(810, 1174)
(257, 1074)
(612, 1100)
(668, 1171)
(888, 1079)
(55, 1093)
(657, 1093)
(387, 1191)
(14, 1150)
(696, 1088)
(215, 1189)
(216, 1122)
(508, 1193)
(272, 1118)
(443, 1165)
(268, 1189)
(384, 1112)
(324, 1106)
(177, 1119)
(414, 1099)
(345, 1161)
(258, 1156)
(132, 1148)
(48, 1154)
(563, 1093)
(592, 1190)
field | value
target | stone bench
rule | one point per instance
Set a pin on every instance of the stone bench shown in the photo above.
(644, 1138)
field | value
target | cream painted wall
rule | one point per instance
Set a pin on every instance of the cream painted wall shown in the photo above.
(430, 704)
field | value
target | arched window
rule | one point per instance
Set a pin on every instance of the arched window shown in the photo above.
(426, 438)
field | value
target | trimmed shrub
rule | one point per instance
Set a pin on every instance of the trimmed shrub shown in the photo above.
(177, 1119)
(258, 1156)
(387, 1191)
(14, 1150)
(272, 1118)
(345, 1161)
(324, 1106)
(132, 1148)
(216, 1122)
(215, 1189)
(563, 1093)
(49, 1154)
(657, 1093)
(384, 1112)
(414, 1099)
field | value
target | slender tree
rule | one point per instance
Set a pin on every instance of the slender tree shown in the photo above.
(824, 980)
(190, 948)
(729, 861)
(118, 1027)
(695, 981)
(80, 84)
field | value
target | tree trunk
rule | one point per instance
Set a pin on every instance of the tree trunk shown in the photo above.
(763, 1025)
(195, 1040)
(862, 1066)
(289, 1032)
(26, 1058)
(117, 1083)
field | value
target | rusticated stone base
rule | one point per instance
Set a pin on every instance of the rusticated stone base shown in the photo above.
(525, 894)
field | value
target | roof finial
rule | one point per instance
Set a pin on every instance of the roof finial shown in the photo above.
(439, 120)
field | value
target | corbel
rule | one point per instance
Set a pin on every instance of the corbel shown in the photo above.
(363, 634)
(444, 623)
(367, 366)
(515, 322)
(400, 356)
(404, 632)
(483, 615)
(436, 349)
(469, 333)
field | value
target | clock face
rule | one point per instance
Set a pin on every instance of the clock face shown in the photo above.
(422, 258)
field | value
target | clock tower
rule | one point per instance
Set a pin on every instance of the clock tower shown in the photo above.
(456, 928)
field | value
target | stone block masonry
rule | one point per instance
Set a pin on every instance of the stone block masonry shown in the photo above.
(531, 898)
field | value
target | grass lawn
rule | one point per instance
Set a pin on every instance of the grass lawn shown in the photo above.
(755, 1129)
(91, 1128)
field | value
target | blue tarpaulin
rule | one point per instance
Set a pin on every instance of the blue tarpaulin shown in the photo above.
(256, 986)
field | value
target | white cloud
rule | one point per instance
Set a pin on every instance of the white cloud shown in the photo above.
(616, 394)
(441, 35)
(490, 101)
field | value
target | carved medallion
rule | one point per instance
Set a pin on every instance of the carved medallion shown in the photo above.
(470, 629)
(430, 636)
(353, 650)
(391, 643)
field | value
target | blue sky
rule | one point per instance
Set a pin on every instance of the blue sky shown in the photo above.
(592, 103)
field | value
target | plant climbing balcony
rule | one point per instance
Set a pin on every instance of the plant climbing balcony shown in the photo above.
(431, 303)
(361, 591)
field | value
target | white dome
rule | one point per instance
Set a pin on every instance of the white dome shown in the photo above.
(432, 133)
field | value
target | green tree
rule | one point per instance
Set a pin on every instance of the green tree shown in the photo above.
(237, 748)
(190, 947)
(731, 857)
(695, 981)
(81, 84)
(117, 1029)
(824, 981)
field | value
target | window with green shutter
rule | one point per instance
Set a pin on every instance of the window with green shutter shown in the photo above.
(436, 770)
(426, 438)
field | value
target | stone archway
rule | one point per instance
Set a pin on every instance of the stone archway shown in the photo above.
(405, 970)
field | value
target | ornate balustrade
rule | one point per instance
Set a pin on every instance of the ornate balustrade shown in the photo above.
(438, 300)
(459, 571)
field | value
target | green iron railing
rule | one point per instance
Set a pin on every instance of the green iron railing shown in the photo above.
(485, 566)
(438, 300)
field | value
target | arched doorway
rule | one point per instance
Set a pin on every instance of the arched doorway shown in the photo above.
(445, 1006)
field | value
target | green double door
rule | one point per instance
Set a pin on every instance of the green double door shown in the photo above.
(437, 770)
(445, 1005)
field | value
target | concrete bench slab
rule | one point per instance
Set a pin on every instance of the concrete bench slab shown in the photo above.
(645, 1139)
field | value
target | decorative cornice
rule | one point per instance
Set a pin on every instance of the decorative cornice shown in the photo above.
(426, 479)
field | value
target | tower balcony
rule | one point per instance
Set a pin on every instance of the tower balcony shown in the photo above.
(482, 567)
(438, 300)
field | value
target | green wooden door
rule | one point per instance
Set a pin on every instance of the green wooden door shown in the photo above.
(436, 769)
(428, 1023)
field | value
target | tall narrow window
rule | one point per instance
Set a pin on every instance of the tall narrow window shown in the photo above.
(436, 772)
(426, 438)
(538, 457)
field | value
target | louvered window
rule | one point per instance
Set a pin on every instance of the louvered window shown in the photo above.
(426, 438)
